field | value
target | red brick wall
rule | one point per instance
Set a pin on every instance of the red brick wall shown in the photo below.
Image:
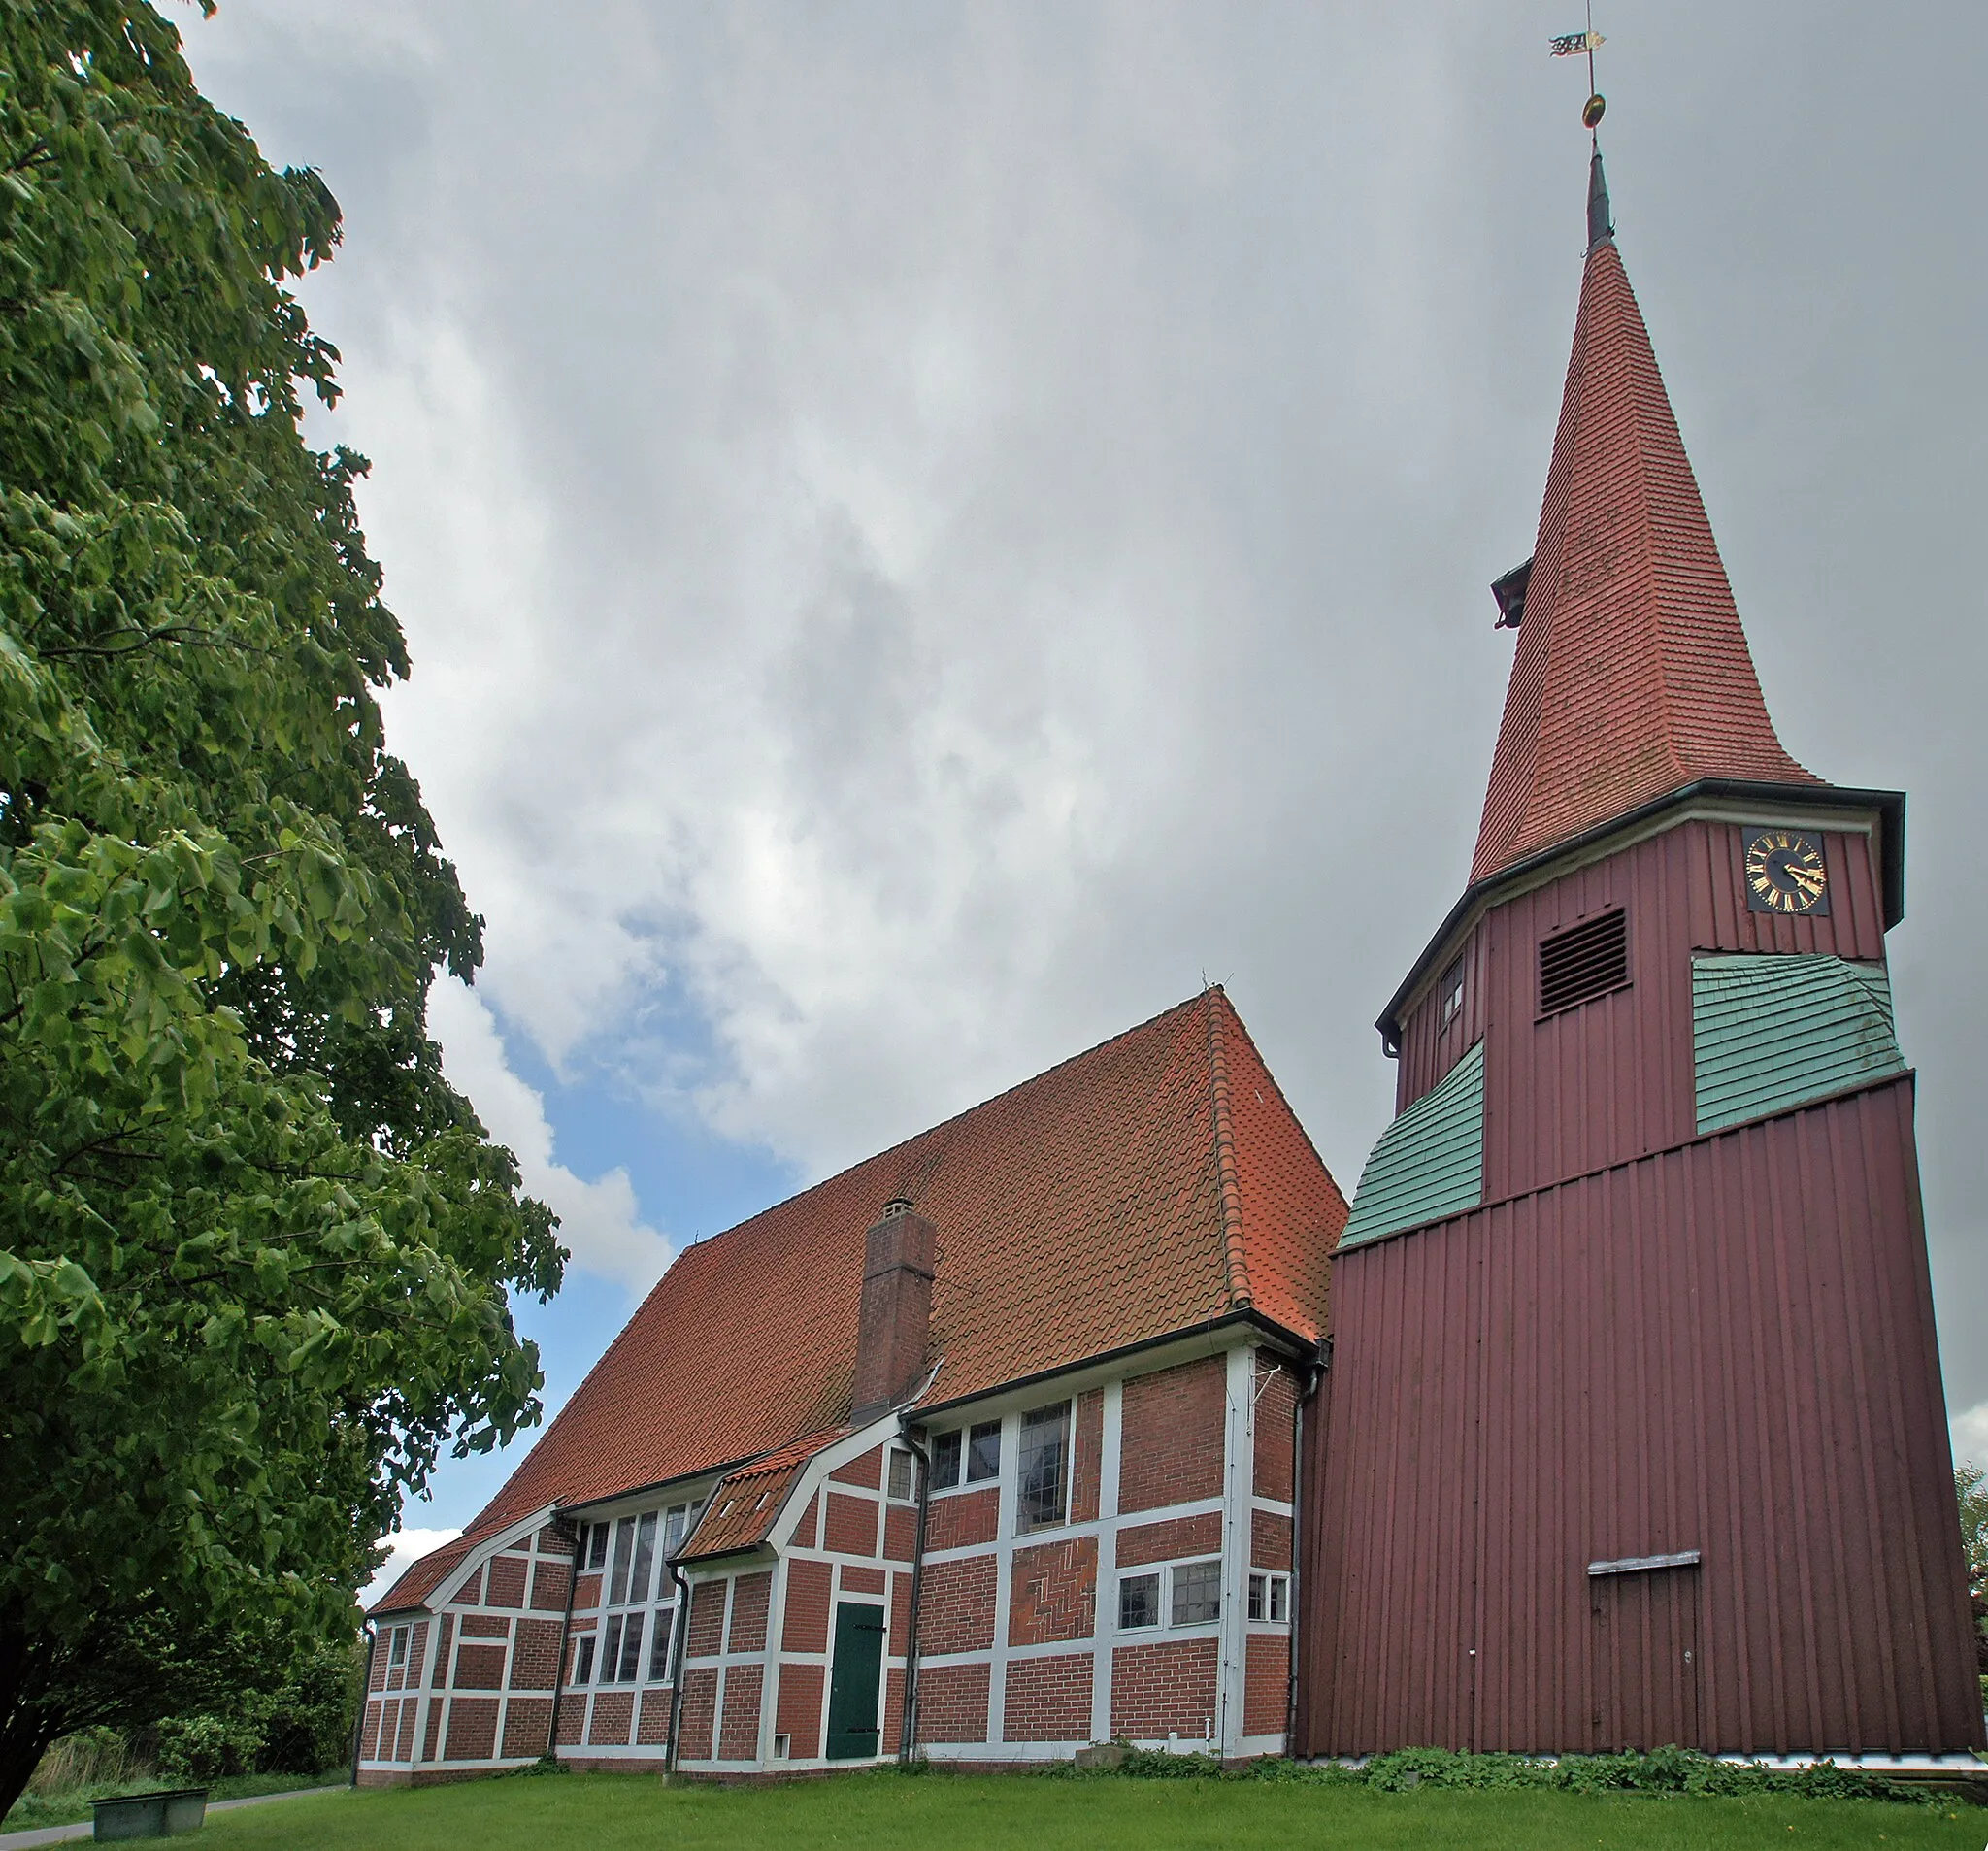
(434, 1729)
(952, 1703)
(958, 1598)
(525, 1724)
(798, 1710)
(867, 1472)
(1176, 1537)
(369, 1739)
(751, 1594)
(1048, 1700)
(1087, 1456)
(862, 1580)
(472, 1729)
(1266, 1684)
(806, 1534)
(739, 1736)
(1277, 1404)
(700, 1713)
(410, 1720)
(478, 1668)
(472, 1593)
(805, 1627)
(445, 1635)
(383, 1651)
(614, 1719)
(1157, 1689)
(900, 1614)
(1173, 1436)
(970, 1517)
(653, 1723)
(505, 1581)
(893, 1710)
(572, 1718)
(900, 1532)
(535, 1655)
(852, 1526)
(1270, 1540)
(1053, 1595)
(707, 1634)
(486, 1626)
(588, 1594)
(548, 1586)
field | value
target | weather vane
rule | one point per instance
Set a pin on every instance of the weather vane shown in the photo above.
(1572, 44)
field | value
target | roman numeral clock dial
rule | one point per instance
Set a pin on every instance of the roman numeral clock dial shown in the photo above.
(1786, 872)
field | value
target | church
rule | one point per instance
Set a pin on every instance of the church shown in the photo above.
(1607, 1415)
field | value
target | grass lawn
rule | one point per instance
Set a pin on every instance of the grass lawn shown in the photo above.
(603, 1813)
(31, 1811)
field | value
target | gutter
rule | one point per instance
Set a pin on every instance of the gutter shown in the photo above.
(908, 1729)
(1315, 1376)
(565, 1528)
(676, 1645)
(367, 1627)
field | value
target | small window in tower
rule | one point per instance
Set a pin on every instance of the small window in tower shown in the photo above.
(1583, 962)
(1452, 992)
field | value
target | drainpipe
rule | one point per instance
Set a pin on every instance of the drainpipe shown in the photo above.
(908, 1731)
(1315, 1376)
(571, 1535)
(365, 1695)
(677, 1644)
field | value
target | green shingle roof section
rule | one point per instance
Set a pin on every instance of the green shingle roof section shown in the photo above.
(1769, 1033)
(1428, 1163)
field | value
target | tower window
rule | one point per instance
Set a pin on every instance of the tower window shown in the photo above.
(1583, 962)
(1452, 994)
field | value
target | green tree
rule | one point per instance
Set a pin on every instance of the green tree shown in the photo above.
(1970, 1489)
(254, 1252)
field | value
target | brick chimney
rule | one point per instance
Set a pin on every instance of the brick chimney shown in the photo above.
(897, 1308)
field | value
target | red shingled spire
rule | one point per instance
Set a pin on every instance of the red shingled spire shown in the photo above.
(1633, 677)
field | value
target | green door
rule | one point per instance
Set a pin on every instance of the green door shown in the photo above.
(853, 1683)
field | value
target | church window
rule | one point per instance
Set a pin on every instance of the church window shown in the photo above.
(1042, 1468)
(596, 1541)
(1583, 962)
(659, 1645)
(1138, 1601)
(617, 1576)
(900, 1485)
(1197, 1593)
(397, 1647)
(983, 1451)
(947, 1452)
(1451, 993)
(583, 1667)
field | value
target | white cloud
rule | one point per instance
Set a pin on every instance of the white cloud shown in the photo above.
(404, 1547)
(599, 1221)
(1970, 1431)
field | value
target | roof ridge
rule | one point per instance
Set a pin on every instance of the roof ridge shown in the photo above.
(1235, 1256)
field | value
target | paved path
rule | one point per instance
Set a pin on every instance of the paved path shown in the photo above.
(64, 1834)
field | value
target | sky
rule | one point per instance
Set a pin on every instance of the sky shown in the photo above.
(928, 531)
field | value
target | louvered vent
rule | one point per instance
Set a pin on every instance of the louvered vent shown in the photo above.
(1586, 960)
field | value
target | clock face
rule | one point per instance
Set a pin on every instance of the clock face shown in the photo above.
(1786, 872)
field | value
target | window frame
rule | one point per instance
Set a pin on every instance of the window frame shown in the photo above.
(894, 1458)
(1062, 1414)
(1156, 1577)
(977, 1468)
(1449, 993)
(1201, 1568)
(948, 1471)
(1269, 1599)
(397, 1649)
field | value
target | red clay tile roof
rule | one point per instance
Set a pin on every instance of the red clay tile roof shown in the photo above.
(746, 1504)
(1632, 676)
(415, 1584)
(1155, 1182)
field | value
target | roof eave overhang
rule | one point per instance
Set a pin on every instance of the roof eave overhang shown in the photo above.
(1281, 1336)
(1482, 895)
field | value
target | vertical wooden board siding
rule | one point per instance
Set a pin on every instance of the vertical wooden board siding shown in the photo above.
(1725, 1348)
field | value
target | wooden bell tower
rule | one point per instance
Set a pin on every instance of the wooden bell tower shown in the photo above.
(1634, 1431)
